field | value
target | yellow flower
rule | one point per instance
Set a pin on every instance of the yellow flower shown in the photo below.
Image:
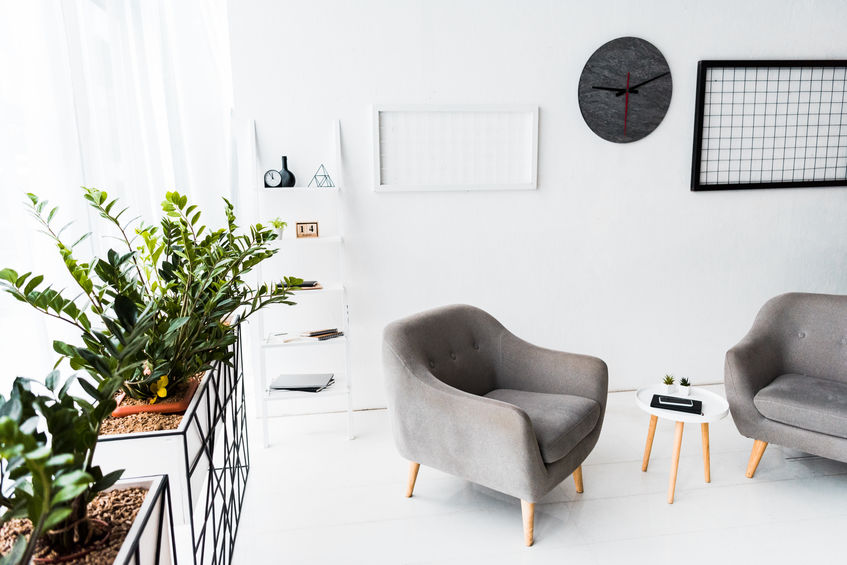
(159, 388)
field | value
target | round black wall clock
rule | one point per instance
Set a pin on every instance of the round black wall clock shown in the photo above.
(625, 89)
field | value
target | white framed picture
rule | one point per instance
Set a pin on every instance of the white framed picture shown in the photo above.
(442, 147)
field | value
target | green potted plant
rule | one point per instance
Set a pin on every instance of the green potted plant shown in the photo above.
(196, 277)
(668, 383)
(684, 387)
(48, 437)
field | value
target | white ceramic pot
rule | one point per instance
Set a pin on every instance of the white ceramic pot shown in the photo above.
(684, 390)
(670, 389)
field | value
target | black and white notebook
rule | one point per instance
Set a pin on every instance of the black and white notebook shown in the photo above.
(677, 404)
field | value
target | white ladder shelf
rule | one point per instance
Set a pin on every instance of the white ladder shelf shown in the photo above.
(269, 342)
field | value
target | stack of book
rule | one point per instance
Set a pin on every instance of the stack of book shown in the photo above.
(323, 335)
(316, 335)
(305, 285)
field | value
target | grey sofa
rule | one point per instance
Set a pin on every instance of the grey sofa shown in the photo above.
(469, 398)
(786, 381)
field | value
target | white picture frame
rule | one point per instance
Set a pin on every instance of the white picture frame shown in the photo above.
(455, 147)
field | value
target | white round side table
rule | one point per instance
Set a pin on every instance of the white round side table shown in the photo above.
(715, 407)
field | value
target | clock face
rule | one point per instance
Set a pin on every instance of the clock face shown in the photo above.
(625, 89)
(273, 178)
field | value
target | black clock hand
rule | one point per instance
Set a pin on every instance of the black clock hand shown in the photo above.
(617, 91)
(632, 89)
(650, 80)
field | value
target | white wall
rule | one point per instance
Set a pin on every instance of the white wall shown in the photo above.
(612, 255)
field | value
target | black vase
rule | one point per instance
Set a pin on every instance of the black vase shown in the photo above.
(287, 176)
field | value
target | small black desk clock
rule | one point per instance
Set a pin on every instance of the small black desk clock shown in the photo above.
(281, 178)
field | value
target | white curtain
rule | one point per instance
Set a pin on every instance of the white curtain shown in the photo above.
(130, 96)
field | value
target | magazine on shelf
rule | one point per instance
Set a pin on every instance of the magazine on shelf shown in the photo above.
(301, 337)
(303, 382)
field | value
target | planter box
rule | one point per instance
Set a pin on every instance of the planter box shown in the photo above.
(151, 538)
(206, 460)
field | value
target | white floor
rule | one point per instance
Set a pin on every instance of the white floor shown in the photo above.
(315, 497)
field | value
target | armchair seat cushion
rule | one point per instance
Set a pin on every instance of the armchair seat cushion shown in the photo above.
(810, 403)
(560, 421)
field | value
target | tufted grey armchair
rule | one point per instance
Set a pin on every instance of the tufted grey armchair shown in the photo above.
(786, 381)
(469, 398)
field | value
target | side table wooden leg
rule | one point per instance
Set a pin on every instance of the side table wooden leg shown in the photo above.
(651, 431)
(704, 431)
(677, 445)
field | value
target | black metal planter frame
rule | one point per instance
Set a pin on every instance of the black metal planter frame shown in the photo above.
(132, 552)
(213, 436)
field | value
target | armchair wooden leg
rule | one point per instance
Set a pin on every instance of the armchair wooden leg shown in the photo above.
(413, 475)
(528, 513)
(577, 479)
(756, 456)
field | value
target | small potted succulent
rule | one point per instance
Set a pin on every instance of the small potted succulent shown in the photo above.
(279, 226)
(669, 385)
(684, 387)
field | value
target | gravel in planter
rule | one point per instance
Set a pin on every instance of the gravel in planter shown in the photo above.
(145, 421)
(117, 508)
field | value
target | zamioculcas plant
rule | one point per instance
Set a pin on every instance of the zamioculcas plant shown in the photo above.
(48, 436)
(196, 277)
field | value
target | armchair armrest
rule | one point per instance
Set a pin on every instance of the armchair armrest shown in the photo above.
(751, 365)
(481, 439)
(524, 366)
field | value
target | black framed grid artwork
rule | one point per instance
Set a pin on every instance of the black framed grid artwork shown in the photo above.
(770, 124)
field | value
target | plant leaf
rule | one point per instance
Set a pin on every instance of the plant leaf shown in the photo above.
(107, 480)
(55, 517)
(75, 477)
(68, 493)
(34, 282)
(9, 275)
(15, 556)
(60, 460)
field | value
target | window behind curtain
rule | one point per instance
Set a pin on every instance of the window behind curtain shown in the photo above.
(129, 96)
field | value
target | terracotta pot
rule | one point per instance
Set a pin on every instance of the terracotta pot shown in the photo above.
(165, 407)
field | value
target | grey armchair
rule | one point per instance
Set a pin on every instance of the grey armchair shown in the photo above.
(469, 398)
(786, 381)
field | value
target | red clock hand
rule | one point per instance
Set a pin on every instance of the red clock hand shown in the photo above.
(626, 103)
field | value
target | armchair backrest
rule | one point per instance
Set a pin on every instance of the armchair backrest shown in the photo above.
(810, 332)
(459, 345)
